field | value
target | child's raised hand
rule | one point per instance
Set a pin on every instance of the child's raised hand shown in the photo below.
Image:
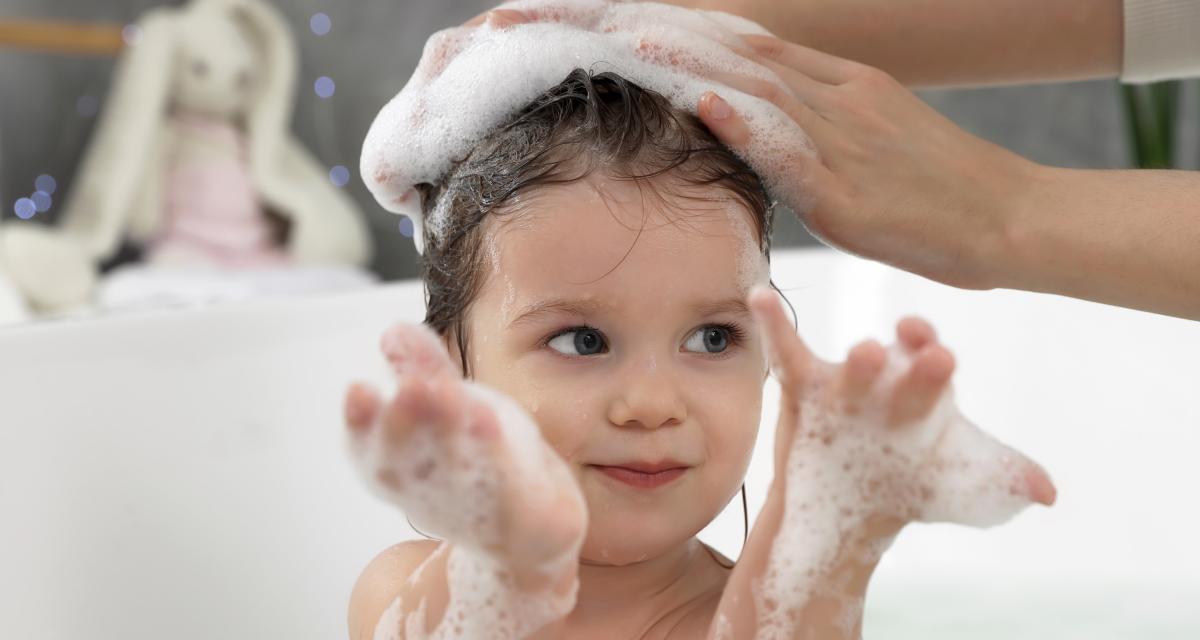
(861, 449)
(879, 435)
(464, 462)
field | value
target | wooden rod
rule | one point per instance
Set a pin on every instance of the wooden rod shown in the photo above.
(77, 38)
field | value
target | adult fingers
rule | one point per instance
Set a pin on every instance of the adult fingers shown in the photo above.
(731, 129)
(499, 18)
(791, 105)
(817, 65)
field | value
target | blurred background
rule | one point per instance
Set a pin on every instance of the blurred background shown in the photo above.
(356, 56)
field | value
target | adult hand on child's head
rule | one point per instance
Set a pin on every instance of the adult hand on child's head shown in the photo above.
(895, 181)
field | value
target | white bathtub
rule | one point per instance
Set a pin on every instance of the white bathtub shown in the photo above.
(180, 474)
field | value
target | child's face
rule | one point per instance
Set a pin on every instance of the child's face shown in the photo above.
(604, 315)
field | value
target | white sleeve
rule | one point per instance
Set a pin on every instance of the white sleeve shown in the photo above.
(1162, 40)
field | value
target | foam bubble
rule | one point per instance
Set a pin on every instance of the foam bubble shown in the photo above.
(471, 80)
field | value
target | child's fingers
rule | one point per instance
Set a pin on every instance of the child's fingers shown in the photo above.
(863, 366)
(921, 386)
(788, 356)
(415, 350)
(1041, 489)
(437, 404)
(361, 406)
(914, 333)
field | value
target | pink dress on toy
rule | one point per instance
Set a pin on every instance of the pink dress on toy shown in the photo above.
(212, 213)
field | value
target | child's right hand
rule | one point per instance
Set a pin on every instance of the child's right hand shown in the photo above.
(464, 462)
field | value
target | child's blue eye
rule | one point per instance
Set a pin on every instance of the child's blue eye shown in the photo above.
(709, 339)
(578, 341)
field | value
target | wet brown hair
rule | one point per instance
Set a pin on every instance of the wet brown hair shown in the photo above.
(584, 124)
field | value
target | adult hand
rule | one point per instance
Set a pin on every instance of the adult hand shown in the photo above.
(895, 181)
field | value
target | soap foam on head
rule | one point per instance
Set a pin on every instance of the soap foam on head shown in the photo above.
(471, 80)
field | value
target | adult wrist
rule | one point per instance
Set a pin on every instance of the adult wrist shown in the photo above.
(1018, 251)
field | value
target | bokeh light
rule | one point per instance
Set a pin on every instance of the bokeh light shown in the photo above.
(47, 183)
(339, 175)
(87, 106)
(406, 226)
(324, 87)
(320, 24)
(41, 201)
(131, 34)
(25, 208)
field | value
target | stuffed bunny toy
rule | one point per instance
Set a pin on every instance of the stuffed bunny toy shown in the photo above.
(193, 161)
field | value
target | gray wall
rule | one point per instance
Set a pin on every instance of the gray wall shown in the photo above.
(372, 49)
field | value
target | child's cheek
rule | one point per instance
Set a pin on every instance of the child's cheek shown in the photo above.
(564, 427)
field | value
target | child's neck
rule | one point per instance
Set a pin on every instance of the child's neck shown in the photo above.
(630, 599)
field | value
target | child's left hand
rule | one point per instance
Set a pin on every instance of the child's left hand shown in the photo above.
(861, 449)
(886, 419)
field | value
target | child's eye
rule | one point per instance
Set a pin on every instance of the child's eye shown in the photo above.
(713, 338)
(578, 341)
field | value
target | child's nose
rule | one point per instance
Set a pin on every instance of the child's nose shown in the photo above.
(647, 397)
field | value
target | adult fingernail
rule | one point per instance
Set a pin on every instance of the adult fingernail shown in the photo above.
(718, 108)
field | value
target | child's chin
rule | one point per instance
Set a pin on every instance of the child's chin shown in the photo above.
(623, 541)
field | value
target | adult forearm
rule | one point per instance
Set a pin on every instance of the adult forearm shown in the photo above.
(951, 42)
(1128, 238)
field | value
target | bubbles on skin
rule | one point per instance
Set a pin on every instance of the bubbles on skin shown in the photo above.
(484, 602)
(495, 262)
(437, 116)
(942, 469)
(752, 264)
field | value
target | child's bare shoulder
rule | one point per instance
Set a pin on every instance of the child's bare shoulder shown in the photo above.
(379, 583)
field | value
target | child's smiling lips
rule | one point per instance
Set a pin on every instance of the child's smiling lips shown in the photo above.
(644, 475)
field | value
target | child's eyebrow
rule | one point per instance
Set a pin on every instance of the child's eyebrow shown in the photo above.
(730, 305)
(553, 306)
(594, 307)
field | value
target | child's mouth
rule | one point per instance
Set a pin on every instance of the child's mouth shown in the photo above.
(643, 476)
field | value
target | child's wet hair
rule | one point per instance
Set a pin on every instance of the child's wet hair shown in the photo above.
(584, 124)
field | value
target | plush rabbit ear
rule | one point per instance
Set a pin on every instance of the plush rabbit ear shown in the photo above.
(270, 116)
(326, 225)
(117, 159)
